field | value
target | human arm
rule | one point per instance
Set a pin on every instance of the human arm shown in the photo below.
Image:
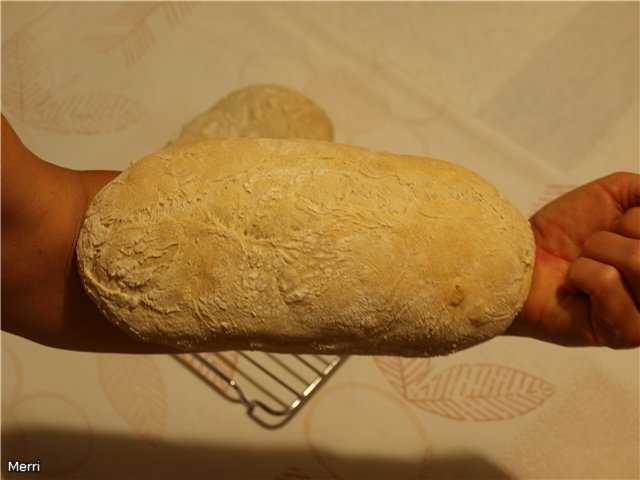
(582, 292)
(43, 206)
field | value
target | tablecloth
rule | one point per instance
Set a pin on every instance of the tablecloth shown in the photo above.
(536, 97)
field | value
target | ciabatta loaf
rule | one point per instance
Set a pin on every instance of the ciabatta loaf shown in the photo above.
(304, 246)
(259, 111)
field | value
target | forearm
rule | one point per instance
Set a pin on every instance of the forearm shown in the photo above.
(43, 206)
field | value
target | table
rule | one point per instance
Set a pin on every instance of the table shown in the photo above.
(536, 97)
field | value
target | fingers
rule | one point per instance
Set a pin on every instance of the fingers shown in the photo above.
(608, 270)
(621, 252)
(623, 187)
(615, 315)
(629, 224)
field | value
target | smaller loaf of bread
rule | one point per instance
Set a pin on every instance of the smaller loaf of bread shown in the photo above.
(259, 111)
(305, 247)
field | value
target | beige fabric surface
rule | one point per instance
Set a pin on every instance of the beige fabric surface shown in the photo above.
(536, 97)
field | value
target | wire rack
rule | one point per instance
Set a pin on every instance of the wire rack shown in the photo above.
(272, 387)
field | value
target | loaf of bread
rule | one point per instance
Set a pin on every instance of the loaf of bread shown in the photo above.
(262, 110)
(304, 246)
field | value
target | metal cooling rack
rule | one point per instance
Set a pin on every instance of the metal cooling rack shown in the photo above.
(272, 387)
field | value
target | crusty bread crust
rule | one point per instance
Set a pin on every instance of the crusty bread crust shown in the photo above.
(259, 111)
(305, 247)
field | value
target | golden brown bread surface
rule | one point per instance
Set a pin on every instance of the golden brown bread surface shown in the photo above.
(304, 246)
(259, 111)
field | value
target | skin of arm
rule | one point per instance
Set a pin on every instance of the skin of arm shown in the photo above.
(43, 206)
